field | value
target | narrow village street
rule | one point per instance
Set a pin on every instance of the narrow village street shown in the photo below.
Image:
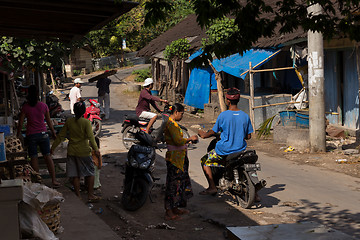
(295, 191)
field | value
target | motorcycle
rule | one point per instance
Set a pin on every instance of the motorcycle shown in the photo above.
(93, 114)
(238, 175)
(132, 124)
(55, 108)
(138, 172)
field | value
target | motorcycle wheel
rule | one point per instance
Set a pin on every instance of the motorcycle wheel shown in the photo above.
(135, 199)
(96, 126)
(247, 196)
(128, 137)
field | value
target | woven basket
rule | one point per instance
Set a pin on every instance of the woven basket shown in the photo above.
(50, 214)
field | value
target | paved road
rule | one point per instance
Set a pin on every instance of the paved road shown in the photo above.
(310, 193)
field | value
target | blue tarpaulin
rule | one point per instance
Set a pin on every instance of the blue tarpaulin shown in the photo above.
(203, 79)
(238, 65)
(198, 90)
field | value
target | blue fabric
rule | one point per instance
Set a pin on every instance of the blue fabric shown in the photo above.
(237, 65)
(234, 127)
(198, 89)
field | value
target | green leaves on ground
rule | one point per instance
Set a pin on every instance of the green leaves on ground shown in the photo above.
(142, 74)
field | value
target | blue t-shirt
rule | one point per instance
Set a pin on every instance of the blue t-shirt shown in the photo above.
(234, 127)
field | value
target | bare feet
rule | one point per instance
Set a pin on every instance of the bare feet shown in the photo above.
(181, 211)
(209, 192)
(171, 215)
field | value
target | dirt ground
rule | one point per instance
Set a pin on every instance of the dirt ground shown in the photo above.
(148, 222)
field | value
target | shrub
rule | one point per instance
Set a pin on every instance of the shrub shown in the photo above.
(142, 74)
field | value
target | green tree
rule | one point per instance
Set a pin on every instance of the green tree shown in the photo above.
(131, 26)
(30, 54)
(178, 49)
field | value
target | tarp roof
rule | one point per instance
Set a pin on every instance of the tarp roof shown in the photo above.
(238, 65)
(65, 20)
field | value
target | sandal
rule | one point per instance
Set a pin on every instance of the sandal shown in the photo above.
(94, 200)
(207, 192)
(174, 217)
(181, 211)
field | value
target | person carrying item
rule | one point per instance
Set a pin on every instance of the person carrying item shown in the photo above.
(145, 99)
(235, 128)
(36, 132)
(79, 163)
(104, 93)
(75, 94)
(178, 184)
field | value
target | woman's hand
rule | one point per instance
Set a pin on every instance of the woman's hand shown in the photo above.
(193, 139)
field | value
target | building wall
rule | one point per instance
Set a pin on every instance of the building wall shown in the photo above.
(341, 87)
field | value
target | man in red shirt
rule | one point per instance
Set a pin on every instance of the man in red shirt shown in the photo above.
(145, 99)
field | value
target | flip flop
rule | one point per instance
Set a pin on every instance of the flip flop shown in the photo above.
(56, 185)
(181, 211)
(175, 217)
(94, 200)
(207, 192)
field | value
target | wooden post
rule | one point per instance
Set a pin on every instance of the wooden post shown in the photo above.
(219, 88)
(358, 73)
(251, 102)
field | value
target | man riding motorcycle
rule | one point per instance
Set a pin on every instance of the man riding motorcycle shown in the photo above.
(145, 99)
(235, 127)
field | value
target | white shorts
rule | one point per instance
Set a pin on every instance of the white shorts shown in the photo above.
(147, 115)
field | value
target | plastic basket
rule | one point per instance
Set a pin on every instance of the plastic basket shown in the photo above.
(288, 118)
(302, 120)
(50, 214)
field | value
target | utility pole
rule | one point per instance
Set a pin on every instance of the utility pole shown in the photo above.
(317, 134)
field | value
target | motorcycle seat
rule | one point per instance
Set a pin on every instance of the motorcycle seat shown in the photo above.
(136, 118)
(247, 156)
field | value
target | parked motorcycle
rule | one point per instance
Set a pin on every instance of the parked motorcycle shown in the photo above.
(138, 172)
(55, 108)
(133, 124)
(93, 114)
(238, 175)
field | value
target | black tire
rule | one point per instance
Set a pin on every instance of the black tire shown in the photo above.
(96, 126)
(247, 196)
(128, 137)
(135, 199)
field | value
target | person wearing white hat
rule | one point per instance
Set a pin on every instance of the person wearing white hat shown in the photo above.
(145, 99)
(75, 94)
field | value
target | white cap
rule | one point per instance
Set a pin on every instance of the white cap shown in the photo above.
(78, 80)
(147, 82)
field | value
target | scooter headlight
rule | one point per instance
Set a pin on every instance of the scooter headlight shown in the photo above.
(97, 105)
(145, 164)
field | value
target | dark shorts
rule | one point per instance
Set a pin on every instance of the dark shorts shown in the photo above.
(38, 139)
(80, 166)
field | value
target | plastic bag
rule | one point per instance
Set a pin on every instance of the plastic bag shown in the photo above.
(38, 195)
(31, 224)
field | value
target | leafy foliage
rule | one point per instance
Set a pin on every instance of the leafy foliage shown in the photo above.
(142, 74)
(259, 18)
(265, 127)
(178, 49)
(31, 54)
(131, 25)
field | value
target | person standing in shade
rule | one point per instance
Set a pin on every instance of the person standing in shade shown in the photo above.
(36, 132)
(79, 162)
(145, 99)
(104, 93)
(75, 94)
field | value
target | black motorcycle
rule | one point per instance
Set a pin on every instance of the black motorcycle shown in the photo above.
(238, 175)
(133, 124)
(138, 172)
